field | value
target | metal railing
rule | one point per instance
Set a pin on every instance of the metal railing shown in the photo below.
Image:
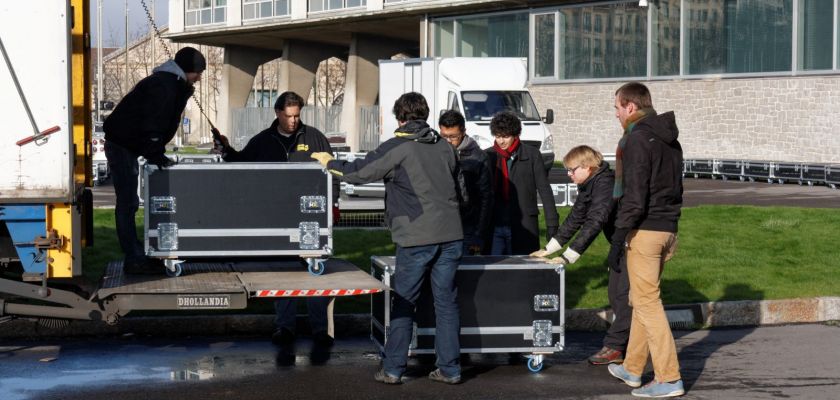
(369, 128)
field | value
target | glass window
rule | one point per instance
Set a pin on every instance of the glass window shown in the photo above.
(739, 36)
(444, 32)
(666, 37)
(620, 51)
(334, 4)
(815, 34)
(483, 105)
(316, 5)
(544, 45)
(281, 7)
(497, 36)
(265, 9)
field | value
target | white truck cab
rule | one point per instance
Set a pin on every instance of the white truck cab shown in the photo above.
(477, 87)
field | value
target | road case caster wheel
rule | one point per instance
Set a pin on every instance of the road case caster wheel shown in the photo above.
(535, 364)
(316, 267)
(177, 272)
(173, 267)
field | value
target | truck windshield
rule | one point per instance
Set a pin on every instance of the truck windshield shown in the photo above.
(481, 106)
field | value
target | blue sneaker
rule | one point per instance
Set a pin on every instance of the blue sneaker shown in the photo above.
(660, 389)
(619, 372)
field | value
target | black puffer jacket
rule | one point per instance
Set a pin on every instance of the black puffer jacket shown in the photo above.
(476, 212)
(652, 165)
(147, 118)
(593, 211)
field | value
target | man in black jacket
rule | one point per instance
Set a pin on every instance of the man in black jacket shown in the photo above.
(289, 140)
(474, 164)
(594, 211)
(649, 191)
(518, 175)
(143, 123)
(421, 208)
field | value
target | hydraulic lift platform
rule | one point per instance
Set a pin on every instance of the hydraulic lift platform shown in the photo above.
(201, 286)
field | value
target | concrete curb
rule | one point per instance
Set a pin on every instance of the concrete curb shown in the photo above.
(682, 316)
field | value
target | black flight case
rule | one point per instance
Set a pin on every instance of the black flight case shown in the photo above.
(238, 210)
(507, 305)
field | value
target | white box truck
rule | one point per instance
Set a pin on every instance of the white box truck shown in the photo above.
(477, 87)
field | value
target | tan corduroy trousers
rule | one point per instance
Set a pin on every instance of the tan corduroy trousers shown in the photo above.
(650, 334)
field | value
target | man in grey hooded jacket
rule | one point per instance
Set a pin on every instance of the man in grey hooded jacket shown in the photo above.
(144, 121)
(421, 206)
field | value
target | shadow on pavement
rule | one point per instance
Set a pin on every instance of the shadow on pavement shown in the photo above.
(693, 358)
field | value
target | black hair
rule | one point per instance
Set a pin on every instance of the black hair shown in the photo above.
(452, 118)
(288, 99)
(505, 123)
(411, 106)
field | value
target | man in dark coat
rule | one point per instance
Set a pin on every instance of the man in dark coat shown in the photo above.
(422, 189)
(289, 140)
(518, 174)
(474, 164)
(648, 186)
(143, 122)
(594, 211)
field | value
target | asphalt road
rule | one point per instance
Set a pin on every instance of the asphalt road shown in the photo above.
(754, 363)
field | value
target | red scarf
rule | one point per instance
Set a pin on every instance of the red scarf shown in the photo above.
(502, 165)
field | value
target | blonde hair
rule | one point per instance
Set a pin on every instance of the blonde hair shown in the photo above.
(583, 156)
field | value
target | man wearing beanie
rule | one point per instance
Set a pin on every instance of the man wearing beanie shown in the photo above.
(143, 122)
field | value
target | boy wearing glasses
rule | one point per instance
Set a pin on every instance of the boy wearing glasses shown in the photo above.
(475, 214)
(593, 212)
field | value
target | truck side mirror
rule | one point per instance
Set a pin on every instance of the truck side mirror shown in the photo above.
(549, 116)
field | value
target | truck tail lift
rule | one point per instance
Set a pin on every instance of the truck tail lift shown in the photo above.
(46, 207)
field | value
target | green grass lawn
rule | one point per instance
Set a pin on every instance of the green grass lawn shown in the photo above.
(724, 253)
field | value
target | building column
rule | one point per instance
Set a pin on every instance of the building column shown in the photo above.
(238, 71)
(361, 85)
(300, 63)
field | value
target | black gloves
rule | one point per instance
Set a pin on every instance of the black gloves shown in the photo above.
(161, 161)
(550, 232)
(617, 249)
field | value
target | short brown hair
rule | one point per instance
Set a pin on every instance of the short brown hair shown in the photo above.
(636, 93)
(583, 156)
(288, 99)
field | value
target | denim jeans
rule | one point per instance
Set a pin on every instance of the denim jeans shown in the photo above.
(411, 269)
(502, 244)
(124, 173)
(286, 313)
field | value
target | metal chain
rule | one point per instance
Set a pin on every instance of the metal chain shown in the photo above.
(169, 56)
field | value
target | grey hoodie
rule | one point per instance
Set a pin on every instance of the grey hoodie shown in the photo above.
(421, 184)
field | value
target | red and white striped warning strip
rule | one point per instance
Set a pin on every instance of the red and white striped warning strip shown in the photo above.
(315, 292)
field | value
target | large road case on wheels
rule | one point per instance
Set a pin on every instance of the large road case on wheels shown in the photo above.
(507, 305)
(238, 210)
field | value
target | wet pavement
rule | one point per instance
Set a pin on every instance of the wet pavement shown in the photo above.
(753, 363)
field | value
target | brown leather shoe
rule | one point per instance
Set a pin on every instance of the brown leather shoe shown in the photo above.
(607, 356)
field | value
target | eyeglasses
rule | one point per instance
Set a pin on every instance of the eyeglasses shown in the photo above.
(571, 171)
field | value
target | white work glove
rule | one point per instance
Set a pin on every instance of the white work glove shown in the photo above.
(551, 247)
(567, 258)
